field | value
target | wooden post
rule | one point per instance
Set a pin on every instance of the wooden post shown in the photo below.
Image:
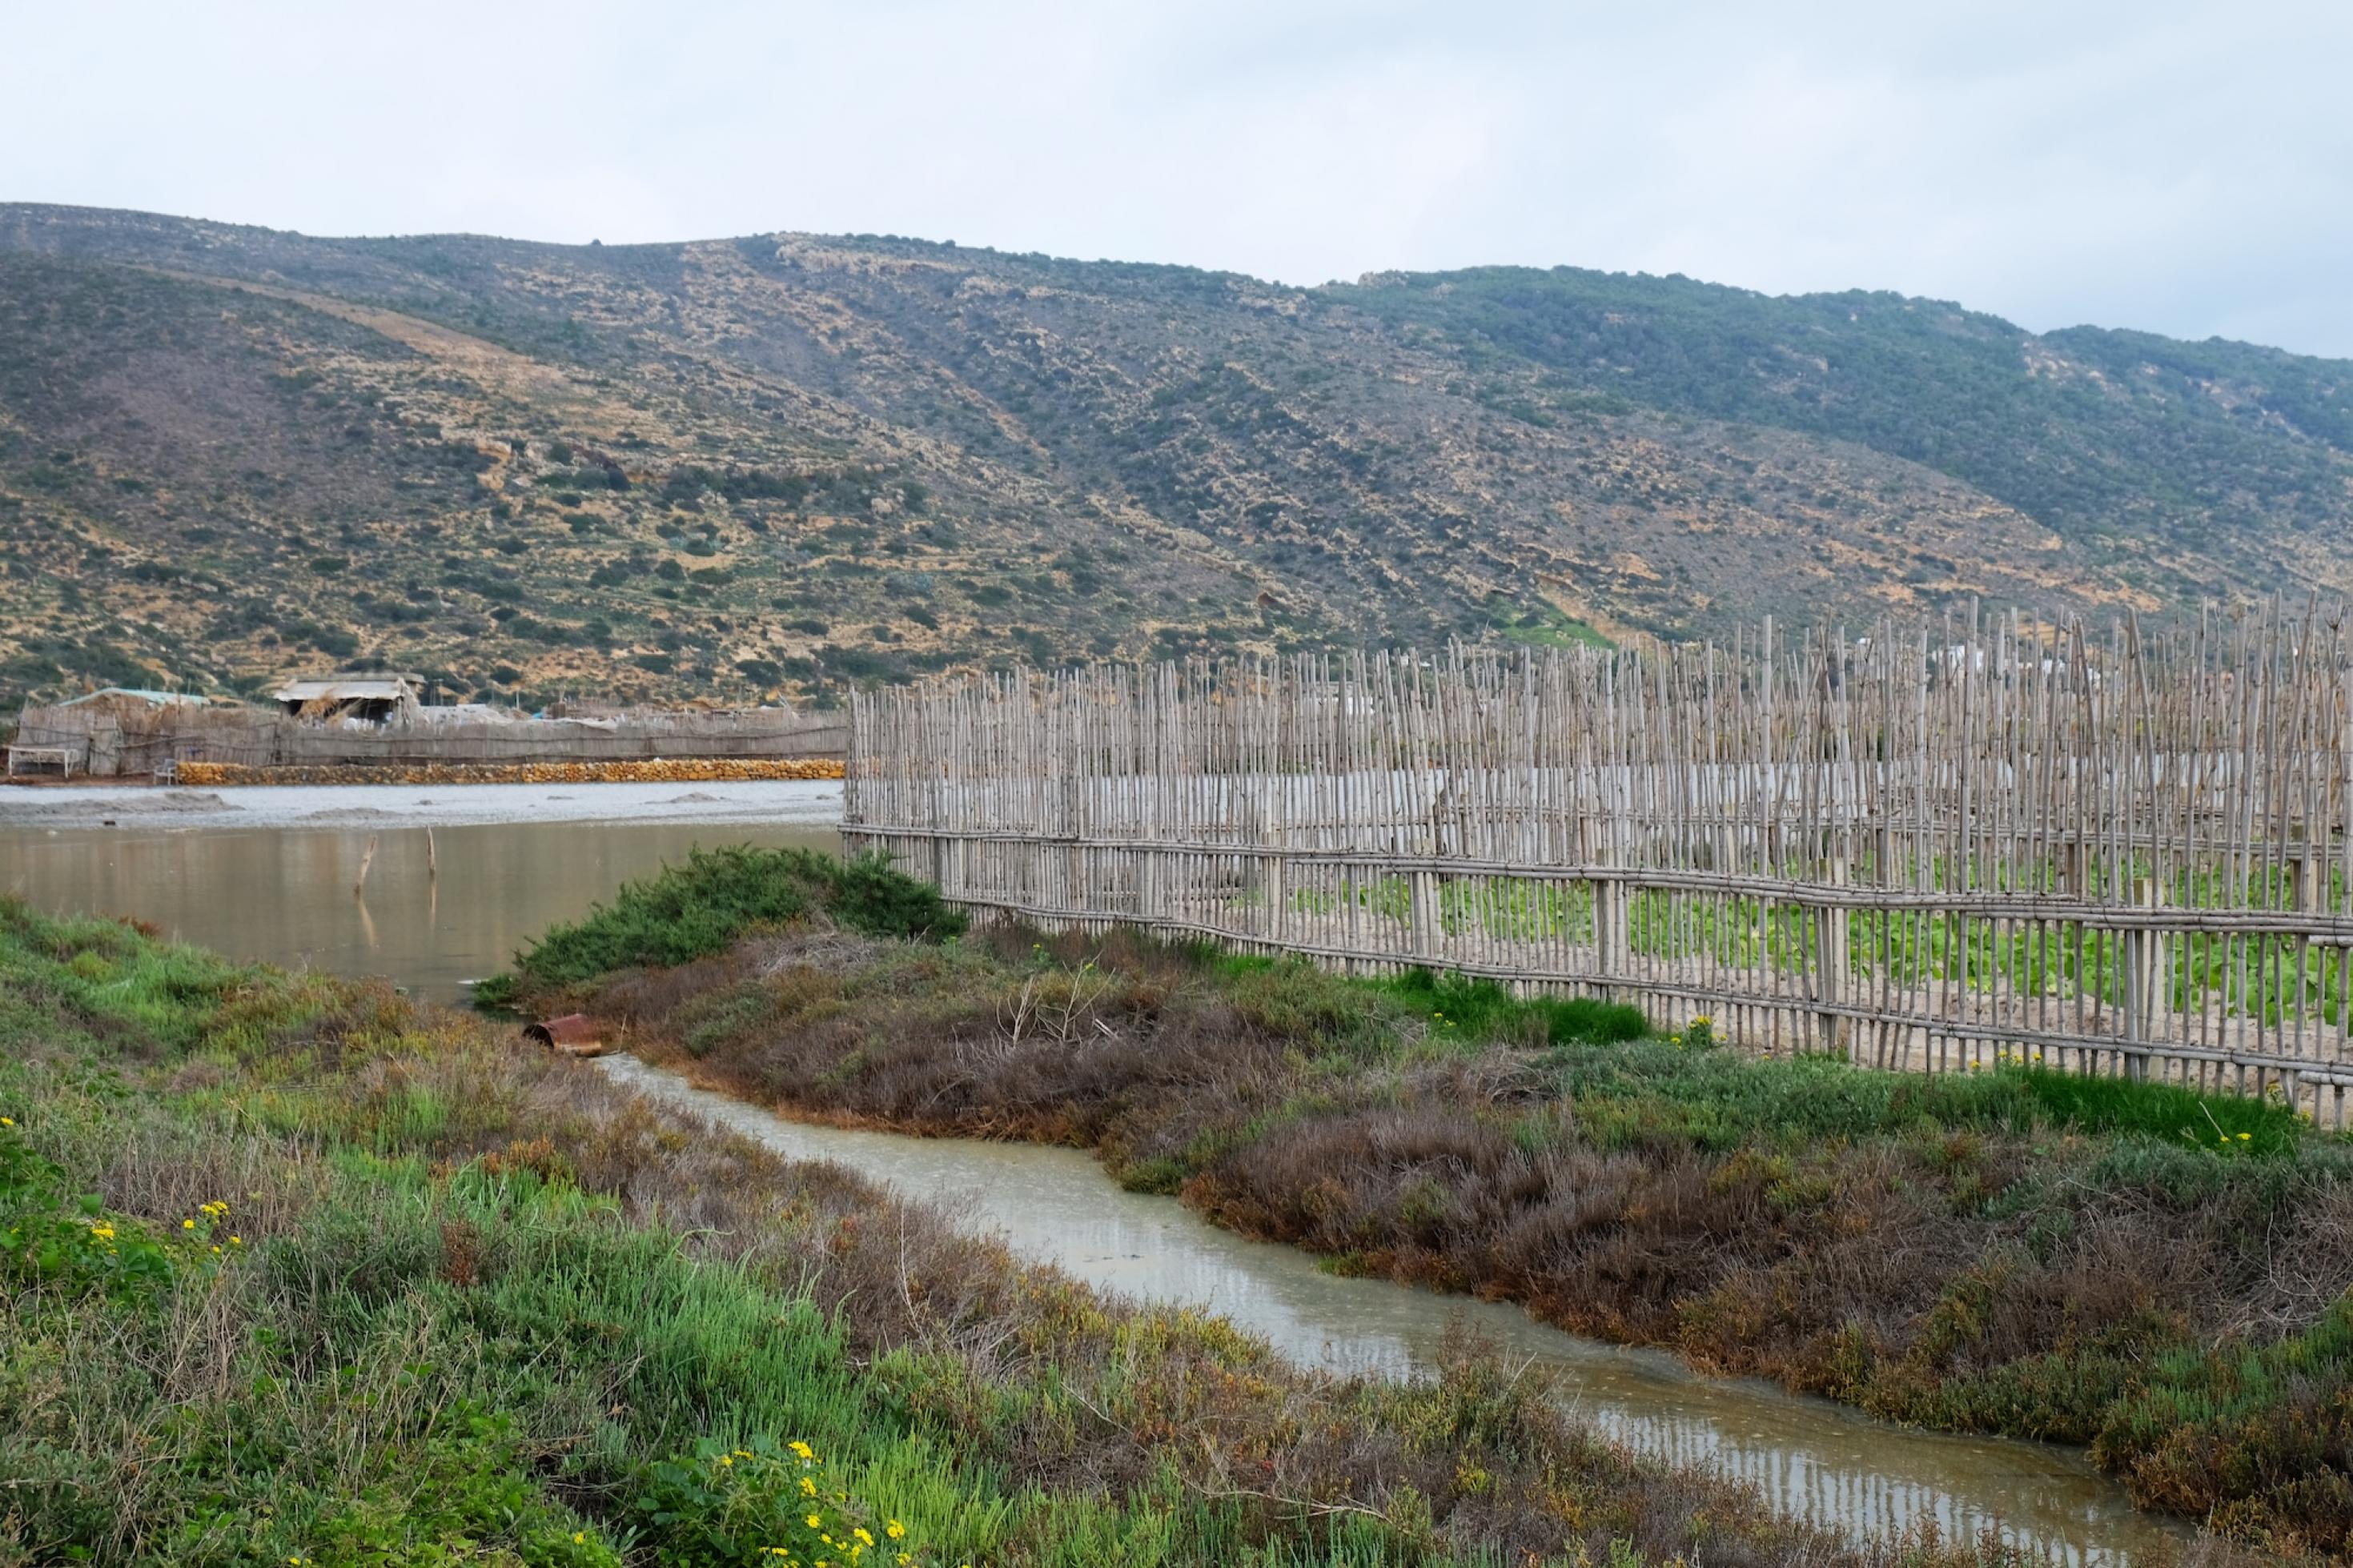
(1831, 933)
(2145, 978)
(1613, 932)
(1428, 923)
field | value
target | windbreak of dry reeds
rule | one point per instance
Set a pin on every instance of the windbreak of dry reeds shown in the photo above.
(1924, 847)
(657, 770)
(131, 736)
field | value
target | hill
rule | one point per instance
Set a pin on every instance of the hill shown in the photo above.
(781, 463)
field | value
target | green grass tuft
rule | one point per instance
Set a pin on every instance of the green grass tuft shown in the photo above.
(2235, 1124)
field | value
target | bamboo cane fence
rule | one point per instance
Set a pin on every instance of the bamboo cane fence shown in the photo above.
(2110, 853)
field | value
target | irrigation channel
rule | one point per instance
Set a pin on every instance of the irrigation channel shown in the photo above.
(1811, 1457)
(271, 874)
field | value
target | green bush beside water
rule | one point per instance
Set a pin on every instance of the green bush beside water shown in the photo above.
(702, 905)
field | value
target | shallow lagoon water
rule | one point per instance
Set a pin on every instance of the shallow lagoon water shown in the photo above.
(461, 876)
(269, 873)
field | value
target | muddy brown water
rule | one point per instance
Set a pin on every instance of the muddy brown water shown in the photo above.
(1811, 1457)
(270, 877)
(271, 874)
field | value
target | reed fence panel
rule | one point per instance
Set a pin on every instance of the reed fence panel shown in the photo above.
(135, 737)
(2110, 853)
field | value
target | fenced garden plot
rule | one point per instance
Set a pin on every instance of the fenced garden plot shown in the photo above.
(1923, 849)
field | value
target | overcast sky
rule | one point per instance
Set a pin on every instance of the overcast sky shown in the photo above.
(2181, 167)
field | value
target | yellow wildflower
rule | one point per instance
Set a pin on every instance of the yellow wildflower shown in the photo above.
(894, 1529)
(803, 1449)
(579, 1538)
(863, 1538)
(808, 1487)
(726, 1458)
(815, 1519)
(191, 1224)
(7, 1121)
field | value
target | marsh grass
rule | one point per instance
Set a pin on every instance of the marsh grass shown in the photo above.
(473, 1304)
(2016, 1250)
(2287, 1471)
